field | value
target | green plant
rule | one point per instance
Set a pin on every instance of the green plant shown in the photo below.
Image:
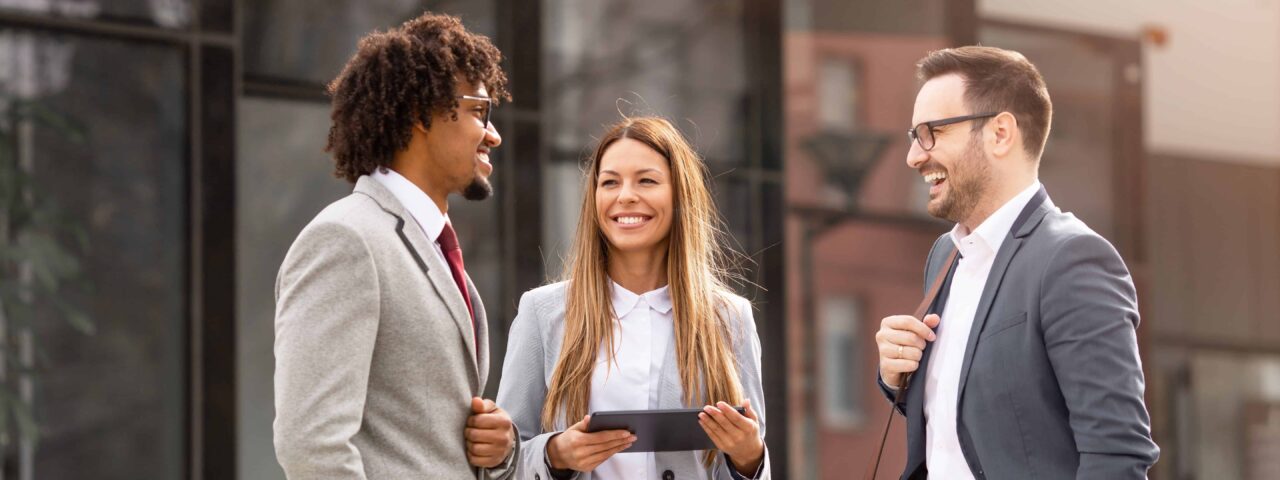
(39, 258)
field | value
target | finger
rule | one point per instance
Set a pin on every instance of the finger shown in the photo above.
(932, 320)
(490, 406)
(582, 425)
(906, 322)
(598, 448)
(751, 412)
(733, 419)
(714, 418)
(898, 366)
(890, 351)
(477, 405)
(606, 436)
(484, 449)
(713, 431)
(479, 435)
(906, 339)
(491, 421)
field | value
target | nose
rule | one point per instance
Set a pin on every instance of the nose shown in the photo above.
(916, 156)
(627, 194)
(491, 137)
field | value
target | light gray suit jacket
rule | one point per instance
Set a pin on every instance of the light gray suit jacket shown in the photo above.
(533, 348)
(376, 360)
(1051, 386)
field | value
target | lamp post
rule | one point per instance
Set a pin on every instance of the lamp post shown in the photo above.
(844, 159)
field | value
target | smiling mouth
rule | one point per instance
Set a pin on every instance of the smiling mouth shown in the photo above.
(631, 220)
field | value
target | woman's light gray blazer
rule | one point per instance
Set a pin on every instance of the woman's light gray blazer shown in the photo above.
(534, 347)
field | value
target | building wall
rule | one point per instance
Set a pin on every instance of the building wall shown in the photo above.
(1212, 91)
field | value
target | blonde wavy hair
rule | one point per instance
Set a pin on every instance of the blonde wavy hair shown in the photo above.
(696, 273)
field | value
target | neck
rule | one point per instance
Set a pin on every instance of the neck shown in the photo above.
(999, 195)
(408, 163)
(638, 272)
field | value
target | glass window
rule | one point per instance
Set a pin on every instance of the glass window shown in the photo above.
(295, 40)
(1080, 159)
(1212, 425)
(93, 234)
(163, 13)
(842, 365)
(679, 59)
(283, 179)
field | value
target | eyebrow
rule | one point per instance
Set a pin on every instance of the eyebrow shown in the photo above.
(647, 170)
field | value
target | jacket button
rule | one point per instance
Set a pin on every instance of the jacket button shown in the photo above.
(537, 477)
(667, 475)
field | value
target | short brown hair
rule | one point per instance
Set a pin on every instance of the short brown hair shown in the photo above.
(997, 80)
(400, 77)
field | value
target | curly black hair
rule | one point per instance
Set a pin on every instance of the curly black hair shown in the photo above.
(400, 77)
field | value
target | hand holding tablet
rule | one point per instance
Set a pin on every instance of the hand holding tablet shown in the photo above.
(735, 434)
(579, 449)
(733, 430)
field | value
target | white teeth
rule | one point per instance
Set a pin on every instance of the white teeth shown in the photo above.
(630, 220)
(934, 177)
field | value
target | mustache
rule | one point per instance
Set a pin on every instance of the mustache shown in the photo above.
(931, 166)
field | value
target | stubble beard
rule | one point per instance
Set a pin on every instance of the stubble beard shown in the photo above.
(966, 185)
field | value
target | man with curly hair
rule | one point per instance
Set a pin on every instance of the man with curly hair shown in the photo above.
(381, 342)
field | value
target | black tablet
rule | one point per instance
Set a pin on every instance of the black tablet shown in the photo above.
(657, 430)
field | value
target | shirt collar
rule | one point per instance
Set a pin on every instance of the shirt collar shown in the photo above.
(990, 235)
(624, 301)
(424, 211)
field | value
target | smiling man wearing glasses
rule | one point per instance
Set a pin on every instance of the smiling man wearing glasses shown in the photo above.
(381, 340)
(1025, 364)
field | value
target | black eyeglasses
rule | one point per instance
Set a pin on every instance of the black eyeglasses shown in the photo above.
(923, 133)
(488, 106)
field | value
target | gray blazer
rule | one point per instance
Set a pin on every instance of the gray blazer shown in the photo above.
(1051, 386)
(534, 347)
(375, 354)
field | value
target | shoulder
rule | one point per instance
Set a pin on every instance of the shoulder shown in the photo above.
(545, 301)
(353, 215)
(1063, 233)
(737, 313)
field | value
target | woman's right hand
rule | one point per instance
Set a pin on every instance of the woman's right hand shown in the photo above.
(575, 449)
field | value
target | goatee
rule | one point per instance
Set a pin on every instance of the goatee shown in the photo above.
(479, 189)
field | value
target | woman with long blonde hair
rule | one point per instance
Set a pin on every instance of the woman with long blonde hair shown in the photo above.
(643, 320)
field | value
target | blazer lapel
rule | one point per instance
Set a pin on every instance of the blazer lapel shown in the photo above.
(1025, 224)
(481, 344)
(428, 261)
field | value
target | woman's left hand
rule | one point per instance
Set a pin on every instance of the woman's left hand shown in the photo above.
(736, 435)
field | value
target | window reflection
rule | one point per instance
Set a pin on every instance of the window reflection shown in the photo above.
(295, 40)
(162, 13)
(283, 180)
(103, 337)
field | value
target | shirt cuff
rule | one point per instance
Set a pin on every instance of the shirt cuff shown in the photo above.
(733, 471)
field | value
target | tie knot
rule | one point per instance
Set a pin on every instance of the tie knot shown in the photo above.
(448, 239)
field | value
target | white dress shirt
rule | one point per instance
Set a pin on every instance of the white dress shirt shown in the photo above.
(642, 337)
(942, 380)
(426, 214)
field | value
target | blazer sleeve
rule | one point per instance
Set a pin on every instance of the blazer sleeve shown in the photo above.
(524, 390)
(1089, 313)
(327, 308)
(747, 350)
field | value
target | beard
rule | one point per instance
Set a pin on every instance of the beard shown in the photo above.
(478, 189)
(967, 183)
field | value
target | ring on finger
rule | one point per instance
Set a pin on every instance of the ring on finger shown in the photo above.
(900, 351)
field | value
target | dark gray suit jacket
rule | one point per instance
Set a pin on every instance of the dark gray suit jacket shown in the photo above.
(1051, 385)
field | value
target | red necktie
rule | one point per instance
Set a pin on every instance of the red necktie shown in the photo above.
(453, 254)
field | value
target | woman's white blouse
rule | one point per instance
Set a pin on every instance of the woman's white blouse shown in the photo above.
(643, 336)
